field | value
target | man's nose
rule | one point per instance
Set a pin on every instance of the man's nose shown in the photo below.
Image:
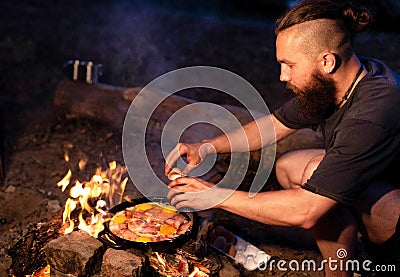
(284, 76)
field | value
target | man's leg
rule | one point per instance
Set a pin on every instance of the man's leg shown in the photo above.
(336, 236)
(378, 210)
(338, 230)
(293, 168)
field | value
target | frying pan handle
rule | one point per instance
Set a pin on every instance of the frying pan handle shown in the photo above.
(110, 240)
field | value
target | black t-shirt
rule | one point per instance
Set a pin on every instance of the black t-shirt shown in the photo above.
(362, 139)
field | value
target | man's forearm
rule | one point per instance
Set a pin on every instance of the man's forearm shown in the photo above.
(250, 137)
(294, 207)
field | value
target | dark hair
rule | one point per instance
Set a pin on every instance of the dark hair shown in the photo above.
(355, 16)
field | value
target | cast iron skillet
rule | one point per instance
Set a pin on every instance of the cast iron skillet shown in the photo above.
(116, 242)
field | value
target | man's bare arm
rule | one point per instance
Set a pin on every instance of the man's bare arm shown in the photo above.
(293, 207)
(253, 136)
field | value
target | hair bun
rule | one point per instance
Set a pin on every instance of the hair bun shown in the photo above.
(357, 18)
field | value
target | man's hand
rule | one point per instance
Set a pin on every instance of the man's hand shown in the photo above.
(194, 153)
(195, 193)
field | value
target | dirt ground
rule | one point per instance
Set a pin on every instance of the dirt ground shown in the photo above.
(135, 44)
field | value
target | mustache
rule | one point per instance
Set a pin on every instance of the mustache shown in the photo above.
(289, 86)
(293, 88)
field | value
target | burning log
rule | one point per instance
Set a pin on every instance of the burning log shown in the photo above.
(182, 263)
(28, 253)
(173, 265)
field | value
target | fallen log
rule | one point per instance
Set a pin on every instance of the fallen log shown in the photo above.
(110, 104)
(98, 101)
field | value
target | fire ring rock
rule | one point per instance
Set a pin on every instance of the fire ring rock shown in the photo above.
(119, 263)
(77, 254)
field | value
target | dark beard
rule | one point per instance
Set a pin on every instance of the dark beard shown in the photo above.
(317, 99)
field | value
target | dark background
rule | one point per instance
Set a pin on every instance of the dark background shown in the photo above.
(136, 42)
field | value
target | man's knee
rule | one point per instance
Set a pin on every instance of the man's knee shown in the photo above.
(282, 168)
(311, 167)
(291, 166)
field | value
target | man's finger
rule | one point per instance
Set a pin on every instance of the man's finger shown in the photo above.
(179, 200)
(172, 193)
(171, 159)
(178, 182)
(187, 169)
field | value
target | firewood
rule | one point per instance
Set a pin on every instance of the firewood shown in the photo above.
(28, 253)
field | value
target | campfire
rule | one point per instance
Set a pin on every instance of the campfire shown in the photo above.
(79, 250)
(79, 242)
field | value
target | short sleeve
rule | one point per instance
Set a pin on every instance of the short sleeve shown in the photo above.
(288, 115)
(361, 152)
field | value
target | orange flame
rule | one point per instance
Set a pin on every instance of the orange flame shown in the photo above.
(194, 272)
(103, 184)
(44, 272)
(82, 164)
(164, 267)
(66, 157)
(160, 259)
(65, 181)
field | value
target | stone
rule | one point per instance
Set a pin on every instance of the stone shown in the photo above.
(53, 206)
(120, 263)
(76, 254)
(10, 189)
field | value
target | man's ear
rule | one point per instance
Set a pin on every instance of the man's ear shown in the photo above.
(328, 62)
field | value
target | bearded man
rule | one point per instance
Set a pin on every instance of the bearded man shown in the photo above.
(350, 187)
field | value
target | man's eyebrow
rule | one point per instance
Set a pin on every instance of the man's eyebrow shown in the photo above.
(285, 61)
